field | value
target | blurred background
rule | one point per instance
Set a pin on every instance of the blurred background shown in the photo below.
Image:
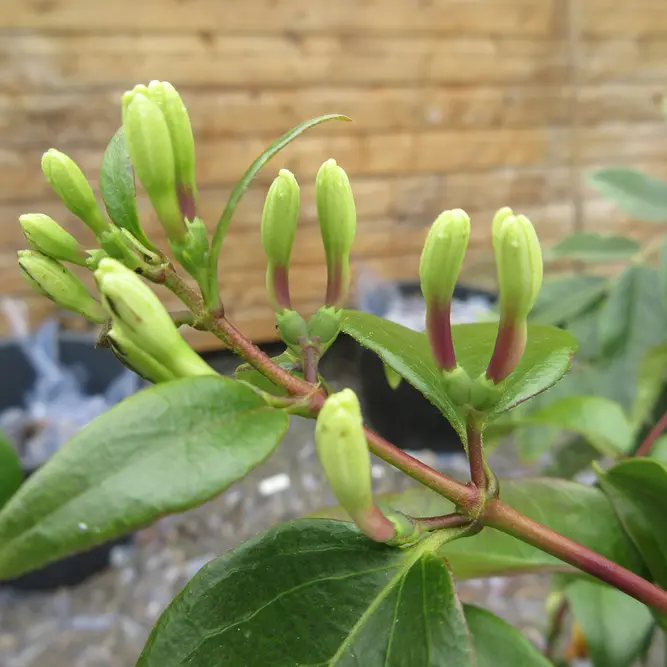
(474, 104)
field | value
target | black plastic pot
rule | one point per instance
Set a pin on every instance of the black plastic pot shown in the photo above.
(403, 415)
(18, 377)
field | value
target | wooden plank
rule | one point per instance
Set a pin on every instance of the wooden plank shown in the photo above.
(623, 60)
(623, 18)
(516, 17)
(79, 118)
(619, 103)
(82, 62)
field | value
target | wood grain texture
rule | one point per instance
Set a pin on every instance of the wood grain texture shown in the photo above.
(456, 103)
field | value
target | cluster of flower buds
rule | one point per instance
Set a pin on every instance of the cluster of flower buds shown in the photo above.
(519, 266)
(343, 452)
(337, 217)
(143, 334)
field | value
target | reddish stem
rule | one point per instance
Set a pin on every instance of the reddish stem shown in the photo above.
(502, 517)
(453, 520)
(439, 328)
(310, 364)
(645, 448)
(507, 352)
(476, 456)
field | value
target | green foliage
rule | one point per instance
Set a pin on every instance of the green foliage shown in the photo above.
(594, 247)
(11, 473)
(164, 450)
(407, 352)
(319, 593)
(614, 625)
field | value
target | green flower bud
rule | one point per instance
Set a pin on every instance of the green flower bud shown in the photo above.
(139, 315)
(519, 266)
(324, 326)
(136, 359)
(442, 256)
(149, 145)
(484, 394)
(338, 223)
(47, 236)
(69, 183)
(292, 328)
(182, 141)
(55, 281)
(279, 220)
(192, 251)
(406, 530)
(458, 385)
(518, 262)
(343, 452)
(439, 268)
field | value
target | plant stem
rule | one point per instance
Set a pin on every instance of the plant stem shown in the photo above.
(453, 520)
(556, 628)
(476, 455)
(310, 364)
(502, 517)
(181, 317)
(645, 448)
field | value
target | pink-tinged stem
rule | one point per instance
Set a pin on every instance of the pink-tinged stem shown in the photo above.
(186, 202)
(645, 448)
(280, 286)
(374, 524)
(510, 344)
(439, 328)
(476, 456)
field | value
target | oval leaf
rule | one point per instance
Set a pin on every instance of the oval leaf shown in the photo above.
(545, 361)
(118, 188)
(601, 421)
(563, 506)
(166, 449)
(498, 644)
(637, 489)
(565, 299)
(638, 194)
(313, 593)
(11, 472)
(594, 247)
(614, 625)
(651, 377)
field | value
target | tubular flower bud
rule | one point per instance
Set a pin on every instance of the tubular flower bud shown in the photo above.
(439, 269)
(338, 223)
(47, 236)
(139, 315)
(136, 359)
(279, 220)
(149, 145)
(182, 141)
(324, 327)
(55, 281)
(69, 183)
(293, 329)
(343, 452)
(519, 267)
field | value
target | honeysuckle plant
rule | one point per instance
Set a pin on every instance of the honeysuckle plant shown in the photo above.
(370, 582)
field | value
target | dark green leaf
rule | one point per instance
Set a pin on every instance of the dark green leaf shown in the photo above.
(563, 506)
(637, 489)
(564, 299)
(601, 421)
(571, 458)
(118, 188)
(614, 625)
(247, 178)
(11, 473)
(651, 378)
(594, 247)
(166, 449)
(498, 644)
(315, 593)
(638, 194)
(546, 359)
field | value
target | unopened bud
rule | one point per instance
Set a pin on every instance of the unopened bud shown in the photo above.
(279, 221)
(47, 236)
(293, 329)
(458, 385)
(69, 183)
(338, 223)
(343, 452)
(519, 266)
(136, 359)
(139, 315)
(55, 281)
(149, 145)
(439, 268)
(182, 141)
(324, 327)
